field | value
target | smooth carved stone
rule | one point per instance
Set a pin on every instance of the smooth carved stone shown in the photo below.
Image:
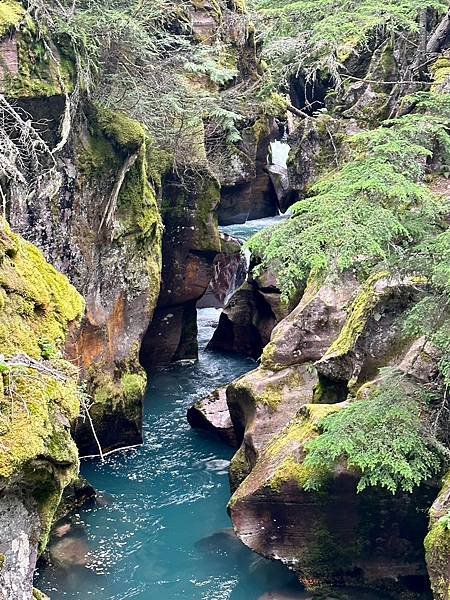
(335, 536)
(245, 324)
(279, 177)
(211, 414)
(372, 334)
(261, 404)
(306, 333)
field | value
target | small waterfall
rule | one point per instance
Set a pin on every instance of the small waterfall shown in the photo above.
(279, 152)
(279, 173)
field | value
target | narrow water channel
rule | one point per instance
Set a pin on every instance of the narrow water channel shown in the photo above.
(160, 530)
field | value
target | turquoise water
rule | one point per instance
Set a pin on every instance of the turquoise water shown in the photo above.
(162, 530)
(245, 231)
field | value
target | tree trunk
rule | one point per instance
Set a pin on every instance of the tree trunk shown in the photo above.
(439, 35)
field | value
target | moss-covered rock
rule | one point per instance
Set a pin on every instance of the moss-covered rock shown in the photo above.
(11, 14)
(39, 398)
(437, 543)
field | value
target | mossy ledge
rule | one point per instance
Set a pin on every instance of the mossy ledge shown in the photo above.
(39, 398)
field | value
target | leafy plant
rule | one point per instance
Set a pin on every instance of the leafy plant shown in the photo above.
(381, 437)
(371, 210)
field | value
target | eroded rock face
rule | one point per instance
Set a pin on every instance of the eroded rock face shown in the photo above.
(309, 330)
(38, 457)
(261, 404)
(245, 324)
(335, 536)
(114, 261)
(371, 336)
(247, 191)
(212, 415)
(229, 273)
(191, 243)
(275, 411)
(18, 554)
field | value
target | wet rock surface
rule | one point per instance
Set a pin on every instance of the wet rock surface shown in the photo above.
(212, 415)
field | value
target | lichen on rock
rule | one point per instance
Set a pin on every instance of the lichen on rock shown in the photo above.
(39, 398)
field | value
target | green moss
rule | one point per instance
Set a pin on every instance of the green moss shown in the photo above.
(121, 129)
(38, 595)
(437, 544)
(137, 204)
(97, 156)
(273, 394)
(2, 561)
(29, 415)
(357, 318)
(303, 429)
(133, 385)
(38, 302)
(38, 305)
(239, 5)
(441, 70)
(40, 73)
(11, 14)
(239, 469)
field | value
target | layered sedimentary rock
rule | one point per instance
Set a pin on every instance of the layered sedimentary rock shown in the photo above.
(39, 399)
(95, 216)
(191, 242)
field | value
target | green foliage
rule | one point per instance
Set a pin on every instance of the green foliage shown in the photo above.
(211, 61)
(11, 13)
(321, 34)
(431, 316)
(381, 437)
(371, 210)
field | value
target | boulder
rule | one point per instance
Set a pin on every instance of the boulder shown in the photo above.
(261, 403)
(333, 536)
(245, 324)
(212, 415)
(372, 334)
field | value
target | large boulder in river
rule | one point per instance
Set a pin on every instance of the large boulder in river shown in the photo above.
(261, 403)
(245, 324)
(276, 409)
(212, 415)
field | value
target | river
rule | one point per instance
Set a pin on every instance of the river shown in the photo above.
(161, 530)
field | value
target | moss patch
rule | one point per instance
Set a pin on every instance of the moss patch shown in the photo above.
(358, 315)
(117, 126)
(42, 73)
(37, 301)
(11, 14)
(37, 306)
